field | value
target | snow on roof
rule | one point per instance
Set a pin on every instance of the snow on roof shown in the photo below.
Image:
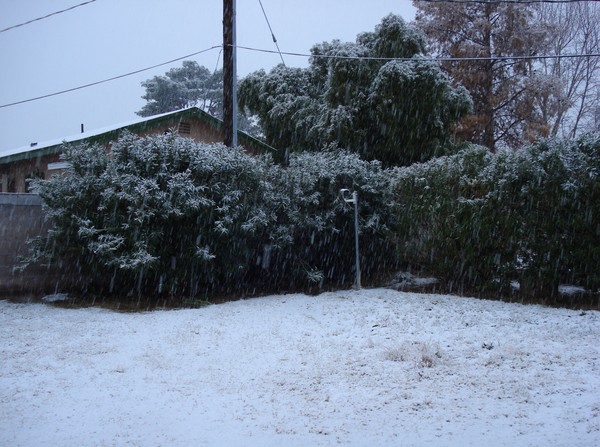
(85, 135)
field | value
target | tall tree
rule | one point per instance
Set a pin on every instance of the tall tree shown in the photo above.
(495, 32)
(377, 96)
(575, 107)
(186, 86)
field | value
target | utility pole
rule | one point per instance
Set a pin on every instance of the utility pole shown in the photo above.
(229, 75)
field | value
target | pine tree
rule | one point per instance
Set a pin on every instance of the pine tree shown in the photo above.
(190, 85)
(187, 86)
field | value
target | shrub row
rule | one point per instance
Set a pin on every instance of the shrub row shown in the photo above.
(480, 220)
(165, 215)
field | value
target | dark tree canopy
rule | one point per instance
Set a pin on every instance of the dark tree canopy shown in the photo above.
(352, 95)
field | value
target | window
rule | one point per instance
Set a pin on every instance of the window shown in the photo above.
(185, 128)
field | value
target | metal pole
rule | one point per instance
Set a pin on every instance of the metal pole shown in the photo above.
(355, 200)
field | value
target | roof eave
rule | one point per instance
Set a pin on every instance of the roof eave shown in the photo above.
(143, 125)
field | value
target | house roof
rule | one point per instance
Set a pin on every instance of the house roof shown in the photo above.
(109, 133)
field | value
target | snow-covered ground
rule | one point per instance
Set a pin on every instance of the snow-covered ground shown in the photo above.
(370, 368)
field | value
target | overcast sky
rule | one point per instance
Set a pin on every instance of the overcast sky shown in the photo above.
(109, 38)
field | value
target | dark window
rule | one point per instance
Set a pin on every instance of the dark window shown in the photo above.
(185, 128)
(12, 185)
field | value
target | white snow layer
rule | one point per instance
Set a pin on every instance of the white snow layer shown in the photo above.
(369, 368)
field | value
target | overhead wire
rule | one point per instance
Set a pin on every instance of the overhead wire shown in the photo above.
(91, 84)
(360, 58)
(273, 35)
(46, 16)
(431, 59)
(305, 55)
(271, 29)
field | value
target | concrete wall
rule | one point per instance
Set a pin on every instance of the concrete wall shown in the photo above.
(22, 218)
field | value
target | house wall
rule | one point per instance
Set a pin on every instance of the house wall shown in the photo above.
(14, 176)
(200, 131)
(193, 128)
(22, 218)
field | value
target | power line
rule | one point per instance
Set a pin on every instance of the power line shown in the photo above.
(218, 60)
(325, 56)
(430, 59)
(214, 73)
(46, 16)
(109, 79)
(271, 29)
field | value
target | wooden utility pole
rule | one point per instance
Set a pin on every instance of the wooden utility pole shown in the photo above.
(229, 75)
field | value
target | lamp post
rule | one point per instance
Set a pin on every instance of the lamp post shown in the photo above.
(354, 199)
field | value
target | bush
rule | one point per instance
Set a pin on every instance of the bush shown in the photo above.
(448, 225)
(165, 215)
(314, 233)
(480, 220)
(159, 215)
(560, 213)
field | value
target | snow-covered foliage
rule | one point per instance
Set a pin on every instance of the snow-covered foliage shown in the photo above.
(181, 87)
(165, 215)
(190, 85)
(418, 125)
(480, 220)
(314, 232)
(160, 213)
(395, 111)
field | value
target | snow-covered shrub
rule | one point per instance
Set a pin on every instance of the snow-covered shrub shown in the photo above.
(443, 220)
(559, 203)
(165, 215)
(313, 237)
(159, 214)
(480, 220)
(395, 111)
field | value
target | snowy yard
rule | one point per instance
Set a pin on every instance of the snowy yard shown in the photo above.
(370, 368)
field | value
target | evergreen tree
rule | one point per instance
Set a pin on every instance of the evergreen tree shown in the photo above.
(190, 85)
(377, 96)
(187, 86)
